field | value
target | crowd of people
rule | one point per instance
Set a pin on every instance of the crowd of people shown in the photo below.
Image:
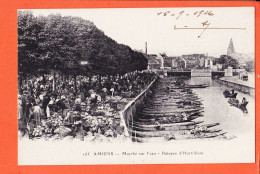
(76, 106)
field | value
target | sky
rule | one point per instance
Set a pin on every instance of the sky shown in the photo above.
(135, 26)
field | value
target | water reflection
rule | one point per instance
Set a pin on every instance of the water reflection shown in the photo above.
(217, 109)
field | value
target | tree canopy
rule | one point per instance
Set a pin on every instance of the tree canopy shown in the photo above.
(228, 61)
(250, 66)
(59, 43)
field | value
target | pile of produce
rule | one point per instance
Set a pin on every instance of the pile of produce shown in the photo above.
(101, 121)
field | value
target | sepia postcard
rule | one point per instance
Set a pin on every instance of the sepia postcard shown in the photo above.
(136, 85)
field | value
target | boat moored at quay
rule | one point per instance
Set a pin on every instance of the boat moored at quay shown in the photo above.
(169, 112)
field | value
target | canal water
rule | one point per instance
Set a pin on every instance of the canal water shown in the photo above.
(217, 109)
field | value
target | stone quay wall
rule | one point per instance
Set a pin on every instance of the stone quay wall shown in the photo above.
(132, 107)
(244, 87)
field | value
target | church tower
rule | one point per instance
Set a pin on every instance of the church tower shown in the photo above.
(231, 48)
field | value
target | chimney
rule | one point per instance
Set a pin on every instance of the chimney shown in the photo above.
(146, 48)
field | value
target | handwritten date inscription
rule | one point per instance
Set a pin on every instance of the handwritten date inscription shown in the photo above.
(182, 13)
(204, 24)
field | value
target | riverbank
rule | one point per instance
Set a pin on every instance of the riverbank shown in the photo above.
(238, 84)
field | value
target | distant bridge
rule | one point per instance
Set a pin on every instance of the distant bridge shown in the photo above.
(191, 73)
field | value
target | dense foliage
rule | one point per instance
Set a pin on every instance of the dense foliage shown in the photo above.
(227, 61)
(56, 43)
(250, 66)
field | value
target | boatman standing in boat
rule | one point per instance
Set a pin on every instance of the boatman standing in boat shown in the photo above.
(244, 100)
(243, 105)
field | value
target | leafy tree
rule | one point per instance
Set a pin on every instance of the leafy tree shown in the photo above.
(57, 44)
(30, 37)
(228, 61)
(250, 66)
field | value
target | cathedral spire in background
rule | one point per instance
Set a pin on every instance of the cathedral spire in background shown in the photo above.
(231, 48)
